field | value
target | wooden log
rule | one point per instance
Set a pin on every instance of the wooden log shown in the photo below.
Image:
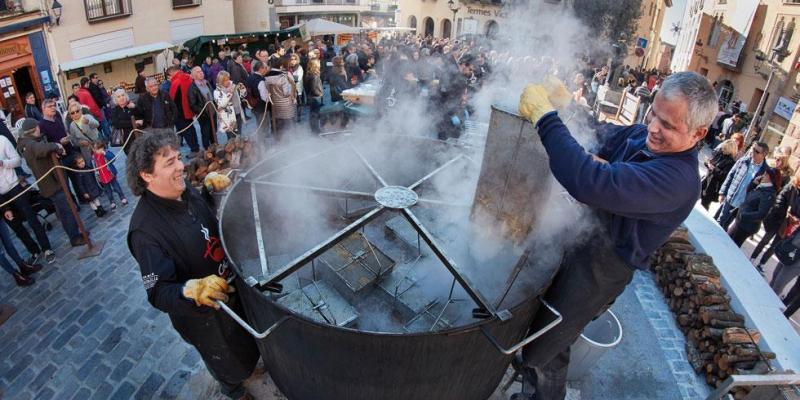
(711, 368)
(714, 299)
(701, 264)
(714, 333)
(694, 356)
(680, 234)
(739, 335)
(725, 324)
(726, 361)
(707, 316)
(715, 307)
(685, 320)
(758, 368)
(746, 352)
(711, 288)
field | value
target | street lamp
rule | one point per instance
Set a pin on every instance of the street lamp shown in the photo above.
(453, 6)
(761, 102)
(57, 9)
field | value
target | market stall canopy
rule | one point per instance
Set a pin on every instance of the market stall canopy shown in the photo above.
(114, 55)
(195, 45)
(319, 26)
(390, 28)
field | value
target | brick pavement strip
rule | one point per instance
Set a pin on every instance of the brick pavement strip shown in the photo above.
(85, 330)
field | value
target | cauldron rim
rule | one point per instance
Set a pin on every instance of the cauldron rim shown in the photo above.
(304, 319)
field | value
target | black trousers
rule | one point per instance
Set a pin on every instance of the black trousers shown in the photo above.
(737, 234)
(25, 213)
(591, 277)
(206, 132)
(770, 237)
(792, 300)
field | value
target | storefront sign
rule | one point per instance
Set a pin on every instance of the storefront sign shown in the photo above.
(13, 49)
(785, 108)
(486, 13)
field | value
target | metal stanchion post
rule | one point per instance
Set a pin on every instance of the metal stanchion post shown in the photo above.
(92, 249)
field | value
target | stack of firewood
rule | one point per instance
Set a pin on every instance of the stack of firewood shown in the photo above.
(237, 153)
(718, 343)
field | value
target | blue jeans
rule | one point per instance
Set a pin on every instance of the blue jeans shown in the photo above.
(726, 215)
(111, 187)
(189, 135)
(8, 245)
(65, 215)
(105, 129)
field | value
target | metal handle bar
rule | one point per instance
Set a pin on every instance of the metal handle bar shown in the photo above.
(532, 337)
(247, 326)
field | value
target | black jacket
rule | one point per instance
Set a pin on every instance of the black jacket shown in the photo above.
(252, 91)
(197, 101)
(755, 207)
(338, 84)
(98, 95)
(237, 72)
(87, 183)
(718, 168)
(32, 111)
(174, 241)
(121, 118)
(313, 85)
(144, 110)
(777, 214)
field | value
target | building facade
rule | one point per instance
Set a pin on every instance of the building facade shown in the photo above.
(749, 50)
(24, 60)
(112, 37)
(647, 36)
(472, 17)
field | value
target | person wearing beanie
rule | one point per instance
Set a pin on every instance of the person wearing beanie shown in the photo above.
(9, 188)
(36, 152)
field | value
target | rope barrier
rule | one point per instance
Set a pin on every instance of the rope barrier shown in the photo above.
(130, 136)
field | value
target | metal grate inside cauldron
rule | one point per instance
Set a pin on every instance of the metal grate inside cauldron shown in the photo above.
(376, 274)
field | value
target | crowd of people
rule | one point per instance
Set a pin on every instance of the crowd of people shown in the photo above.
(757, 189)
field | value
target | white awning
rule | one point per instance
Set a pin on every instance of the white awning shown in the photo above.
(114, 55)
(319, 26)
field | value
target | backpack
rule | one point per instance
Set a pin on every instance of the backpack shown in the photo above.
(787, 251)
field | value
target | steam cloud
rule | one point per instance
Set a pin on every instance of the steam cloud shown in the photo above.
(534, 41)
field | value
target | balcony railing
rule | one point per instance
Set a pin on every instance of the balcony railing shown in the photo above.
(11, 8)
(186, 3)
(320, 2)
(98, 10)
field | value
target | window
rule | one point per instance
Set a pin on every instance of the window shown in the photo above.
(97, 10)
(186, 3)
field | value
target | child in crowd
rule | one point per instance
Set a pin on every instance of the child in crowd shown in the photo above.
(107, 173)
(88, 186)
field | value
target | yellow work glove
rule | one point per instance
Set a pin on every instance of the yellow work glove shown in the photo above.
(206, 291)
(534, 103)
(557, 92)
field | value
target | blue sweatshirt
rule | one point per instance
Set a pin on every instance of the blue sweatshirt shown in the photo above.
(644, 196)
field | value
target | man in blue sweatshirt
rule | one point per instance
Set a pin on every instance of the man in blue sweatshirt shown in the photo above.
(642, 184)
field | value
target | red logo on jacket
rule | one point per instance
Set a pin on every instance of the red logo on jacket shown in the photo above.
(214, 249)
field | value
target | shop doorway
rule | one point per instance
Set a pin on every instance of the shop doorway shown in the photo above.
(24, 83)
(428, 22)
(447, 28)
(13, 86)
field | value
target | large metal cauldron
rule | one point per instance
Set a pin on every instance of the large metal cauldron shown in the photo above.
(276, 250)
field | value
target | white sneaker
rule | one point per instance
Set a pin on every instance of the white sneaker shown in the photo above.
(49, 256)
